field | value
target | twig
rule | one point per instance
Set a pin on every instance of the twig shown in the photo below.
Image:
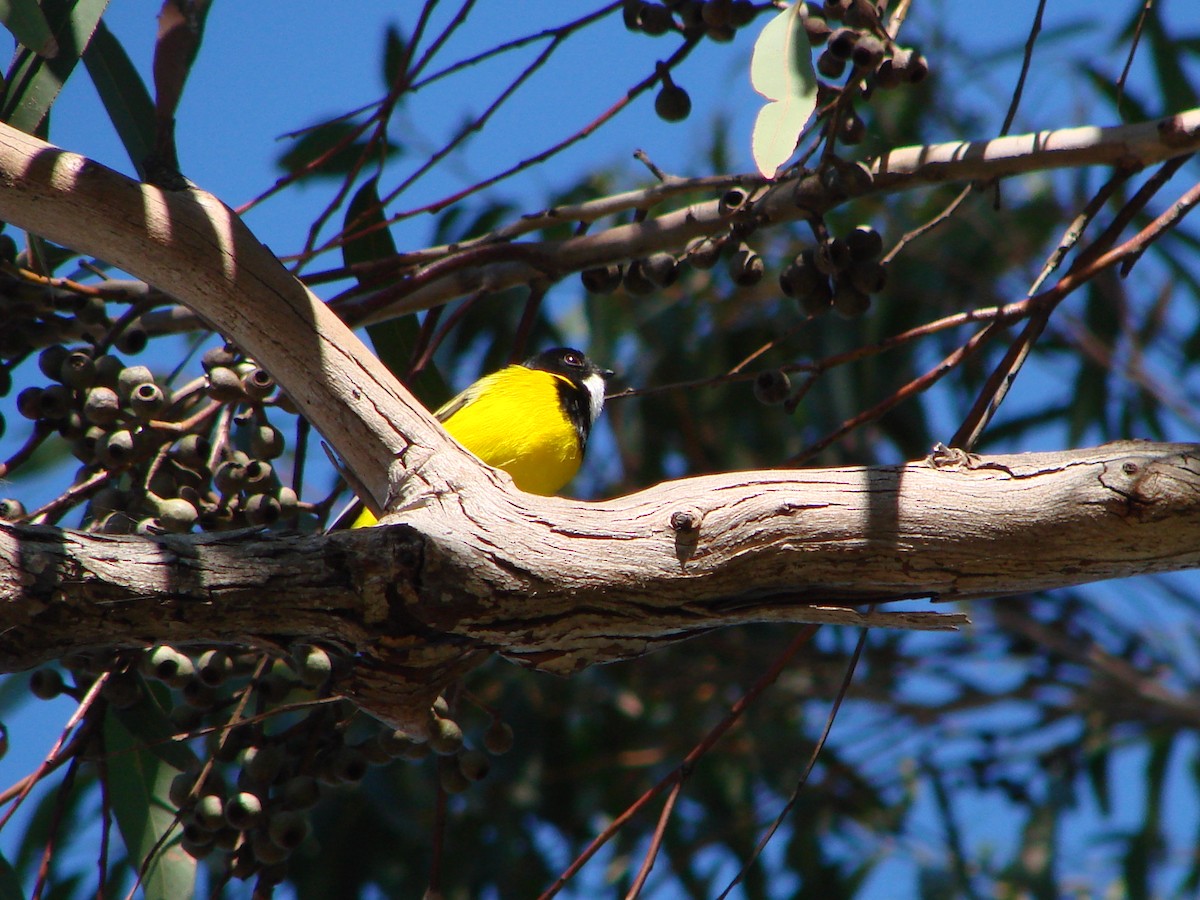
(735, 712)
(812, 761)
(1133, 48)
(660, 829)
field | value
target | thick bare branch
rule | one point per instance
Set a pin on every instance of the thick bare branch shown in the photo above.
(561, 585)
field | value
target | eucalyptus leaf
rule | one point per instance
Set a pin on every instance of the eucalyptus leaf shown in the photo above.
(781, 70)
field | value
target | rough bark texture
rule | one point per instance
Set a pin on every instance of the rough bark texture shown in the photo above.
(561, 585)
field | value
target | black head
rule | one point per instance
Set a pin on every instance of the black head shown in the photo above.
(583, 394)
(568, 362)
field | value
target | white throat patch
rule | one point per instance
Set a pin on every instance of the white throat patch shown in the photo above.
(595, 387)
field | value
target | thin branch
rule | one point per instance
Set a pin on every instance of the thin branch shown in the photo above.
(735, 712)
(851, 666)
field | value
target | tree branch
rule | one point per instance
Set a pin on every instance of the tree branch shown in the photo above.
(560, 585)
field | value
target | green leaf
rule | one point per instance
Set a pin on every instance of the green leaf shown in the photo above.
(395, 56)
(33, 83)
(148, 721)
(10, 884)
(139, 780)
(123, 93)
(336, 139)
(394, 341)
(25, 20)
(781, 70)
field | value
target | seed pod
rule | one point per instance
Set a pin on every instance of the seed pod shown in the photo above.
(849, 301)
(218, 357)
(198, 695)
(78, 370)
(801, 276)
(262, 510)
(301, 792)
(257, 383)
(831, 256)
(46, 684)
(132, 340)
(176, 515)
(474, 764)
(147, 400)
(731, 201)
(11, 509)
(745, 266)
(50, 361)
(867, 52)
(864, 243)
(498, 739)
(817, 30)
(860, 14)
(287, 829)
(842, 43)
(266, 442)
(743, 13)
(717, 13)
(192, 450)
(887, 76)
(180, 787)
(108, 368)
(29, 403)
(661, 269)
(258, 478)
(54, 403)
(772, 386)
(315, 667)
(130, 379)
(703, 253)
(165, 663)
(835, 9)
(122, 690)
(654, 19)
(117, 449)
(262, 764)
(71, 426)
(672, 104)
(214, 667)
(450, 776)
(829, 65)
(869, 277)
(224, 384)
(349, 766)
(635, 280)
(101, 406)
(209, 812)
(910, 65)
(818, 300)
(601, 280)
(288, 501)
(244, 811)
(229, 477)
(447, 738)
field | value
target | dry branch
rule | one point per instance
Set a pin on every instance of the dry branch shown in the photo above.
(560, 584)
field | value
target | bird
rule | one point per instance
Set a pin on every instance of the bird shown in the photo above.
(531, 419)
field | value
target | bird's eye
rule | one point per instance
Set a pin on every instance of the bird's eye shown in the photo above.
(573, 359)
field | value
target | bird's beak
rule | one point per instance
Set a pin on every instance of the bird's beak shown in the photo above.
(607, 374)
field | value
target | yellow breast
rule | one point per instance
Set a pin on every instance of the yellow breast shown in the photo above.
(514, 422)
